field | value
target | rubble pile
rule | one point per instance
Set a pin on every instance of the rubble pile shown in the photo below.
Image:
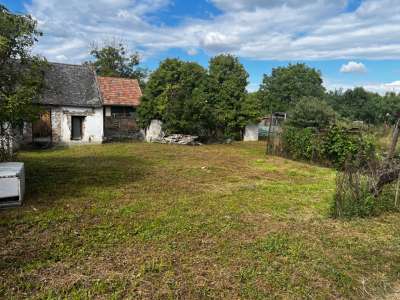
(179, 139)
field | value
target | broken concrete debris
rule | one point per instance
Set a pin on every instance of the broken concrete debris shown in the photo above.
(179, 139)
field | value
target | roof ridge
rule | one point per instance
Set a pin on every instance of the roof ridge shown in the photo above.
(120, 78)
(99, 92)
(66, 64)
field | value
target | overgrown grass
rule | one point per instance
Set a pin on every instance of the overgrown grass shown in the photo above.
(353, 197)
(155, 221)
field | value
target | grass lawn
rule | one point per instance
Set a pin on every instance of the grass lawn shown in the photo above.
(153, 221)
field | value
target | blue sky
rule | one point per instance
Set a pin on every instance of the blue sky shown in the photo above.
(352, 42)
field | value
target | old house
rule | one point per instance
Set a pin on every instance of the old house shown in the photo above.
(72, 108)
(77, 104)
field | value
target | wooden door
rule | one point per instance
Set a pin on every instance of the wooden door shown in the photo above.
(41, 129)
(76, 132)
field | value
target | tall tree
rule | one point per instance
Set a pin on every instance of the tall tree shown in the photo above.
(228, 79)
(176, 95)
(189, 100)
(281, 90)
(21, 74)
(251, 109)
(113, 60)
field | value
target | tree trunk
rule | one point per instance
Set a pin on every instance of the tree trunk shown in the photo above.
(3, 146)
(6, 142)
(385, 178)
(390, 171)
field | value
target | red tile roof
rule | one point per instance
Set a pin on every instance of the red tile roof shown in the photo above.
(119, 91)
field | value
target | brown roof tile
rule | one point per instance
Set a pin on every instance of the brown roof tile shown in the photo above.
(119, 91)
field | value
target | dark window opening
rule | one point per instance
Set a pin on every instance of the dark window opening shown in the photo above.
(122, 111)
(76, 132)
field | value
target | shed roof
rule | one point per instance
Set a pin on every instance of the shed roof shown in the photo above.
(70, 85)
(119, 91)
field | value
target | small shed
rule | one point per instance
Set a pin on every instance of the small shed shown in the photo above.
(251, 133)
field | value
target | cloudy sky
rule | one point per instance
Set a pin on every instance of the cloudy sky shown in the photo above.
(352, 42)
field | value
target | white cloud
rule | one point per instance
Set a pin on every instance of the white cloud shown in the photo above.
(257, 29)
(383, 88)
(228, 5)
(380, 88)
(192, 51)
(219, 42)
(70, 27)
(353, 67)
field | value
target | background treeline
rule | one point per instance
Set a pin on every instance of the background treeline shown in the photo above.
(287, 86)
(359, 104)
(214, 103)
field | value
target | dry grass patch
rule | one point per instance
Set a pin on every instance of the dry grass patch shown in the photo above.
(151, 221)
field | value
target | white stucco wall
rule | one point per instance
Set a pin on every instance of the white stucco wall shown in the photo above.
(251, 133)
(92, 126)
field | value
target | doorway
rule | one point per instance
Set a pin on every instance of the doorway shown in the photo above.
(76, 130)
(41, 129)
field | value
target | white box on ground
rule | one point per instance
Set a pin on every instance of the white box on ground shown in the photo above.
(12, 184)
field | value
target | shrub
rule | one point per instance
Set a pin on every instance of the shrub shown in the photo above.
(331, 148)
(298, 143)
(339, 145)
(311, 112)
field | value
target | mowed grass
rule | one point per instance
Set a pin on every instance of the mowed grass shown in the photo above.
(150, 221)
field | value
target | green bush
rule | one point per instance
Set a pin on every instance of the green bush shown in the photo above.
(339, 145)
(298, 143)
(311, 112)
(332, 147)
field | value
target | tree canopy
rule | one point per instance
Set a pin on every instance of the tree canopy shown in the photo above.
(228, 79)
(21, 74)
(113, 60)
(175, 94)
(311, 112)
(188, 99)
(389, 108)
(287, 85)
(358, 105)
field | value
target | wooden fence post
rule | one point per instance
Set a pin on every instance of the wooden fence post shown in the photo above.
(395, 139)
